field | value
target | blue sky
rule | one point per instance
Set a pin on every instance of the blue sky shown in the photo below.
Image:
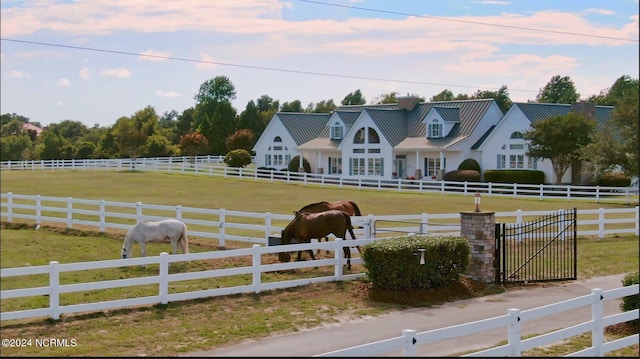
(80, 60)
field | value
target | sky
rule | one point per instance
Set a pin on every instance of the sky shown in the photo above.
(95, 61)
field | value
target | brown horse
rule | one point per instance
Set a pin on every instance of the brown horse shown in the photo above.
(348, 207)
(306, 226)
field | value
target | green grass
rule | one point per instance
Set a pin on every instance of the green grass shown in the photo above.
(182, 327)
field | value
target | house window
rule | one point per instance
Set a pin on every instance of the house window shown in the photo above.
(517, 135)
(434, 129)
(337, 131)
(335, 165)
(502, 161)
(532, 163)
(518, 146)
(358, 167)
(359, 136)
(431, 166)
(516, 161)
(277, 139)
(374, 166)
(373, 136)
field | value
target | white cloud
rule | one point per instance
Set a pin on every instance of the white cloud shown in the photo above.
(599, 11)
(59, 103)
(85, 73)
(64, 82)
(167, 93)
(15, 74)
(206, 62)
(118, 72)
(154, 55)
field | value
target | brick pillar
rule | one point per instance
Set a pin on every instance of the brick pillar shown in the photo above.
(479, 228)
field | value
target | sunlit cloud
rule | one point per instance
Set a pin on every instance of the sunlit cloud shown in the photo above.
(206, 62)
(85, 73)
(599, 11)
(167, 93)
(154, 55)
(119, 73)
(64, 82)
(15, 74)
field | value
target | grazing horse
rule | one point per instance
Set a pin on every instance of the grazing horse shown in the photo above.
(164, 230)
(317, 225)
(348, 207)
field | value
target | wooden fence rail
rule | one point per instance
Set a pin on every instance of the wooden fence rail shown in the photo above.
(410, 340)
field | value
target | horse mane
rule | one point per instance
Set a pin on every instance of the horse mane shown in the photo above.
(303, 209)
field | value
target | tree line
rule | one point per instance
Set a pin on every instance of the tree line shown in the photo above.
(213, 126)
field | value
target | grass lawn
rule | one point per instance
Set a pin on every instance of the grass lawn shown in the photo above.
(183, 327)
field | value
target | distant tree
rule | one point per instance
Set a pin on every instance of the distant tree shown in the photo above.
(193, 144)
(293, 106)
(85, 149)
(354, 98)
(324, 106)
(158, 146)
(51, 146)
(128, 138)
(168, 126)
(214, 115)
(445, 95)
(501, 97)
(250, 119)
(16, 148)
(559, 139)
(71, 131)
(8, 117)
(607, 154)
(185, 122)
(241, 139)
(623, 87)
(558, 90)
(267, 104)
(391, 97)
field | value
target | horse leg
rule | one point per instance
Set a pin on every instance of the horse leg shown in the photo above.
(143, 252)
(347, 254)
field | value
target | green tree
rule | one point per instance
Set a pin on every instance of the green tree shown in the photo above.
(501, 97)
(214, 116)
(158, 146)
(391, 97)
(324, 106)
(16, 147)
(607, 154)
(128, 138)
(71, 131)
(250, 119)
(293, 106)
(51, 146)
(193, 144)
(85, 149)
(354, 98)
(185, 122)
(294, 164)
(559, 139)
(623, 87)
(241, 139)
(558, 90)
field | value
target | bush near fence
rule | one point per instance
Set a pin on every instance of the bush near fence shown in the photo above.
(416, 262)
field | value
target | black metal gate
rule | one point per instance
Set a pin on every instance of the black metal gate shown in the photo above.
(539, 250)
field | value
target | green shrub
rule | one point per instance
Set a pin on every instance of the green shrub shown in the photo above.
(514, 176)
(631, 302)
(394, 263)
(463, 175)
(470, 164)
(294, 164)
(614, 179)
(237, 158)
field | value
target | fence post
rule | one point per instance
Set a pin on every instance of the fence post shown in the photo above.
(601, 222)
(519, 223)
(179, 211)
(339, 254)
(163, 278)
(102, 216)
(541, 191)
(38, 209)
(597, 317)
(637, 221)
(138, 211)
(54, 289)
(10, 208)
(424, 224)
(256, 268)
(69, 213)
(513, 332)
(267, 226)
(409, 347)
(221, 217)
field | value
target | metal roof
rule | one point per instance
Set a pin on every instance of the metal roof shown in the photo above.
(303, 127)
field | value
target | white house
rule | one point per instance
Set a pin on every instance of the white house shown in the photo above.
(505, 147)
(410, 138)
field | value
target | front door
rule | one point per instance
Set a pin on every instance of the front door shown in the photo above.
(401, 166)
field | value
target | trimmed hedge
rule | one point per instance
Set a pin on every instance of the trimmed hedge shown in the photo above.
(294, 164)
(394, 263)
(463, 175)
(614, 179)
(469, 164)
(514, 176)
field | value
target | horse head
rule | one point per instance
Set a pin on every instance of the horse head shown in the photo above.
(124, 253)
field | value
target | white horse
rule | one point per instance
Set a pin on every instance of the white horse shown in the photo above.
(142, 232)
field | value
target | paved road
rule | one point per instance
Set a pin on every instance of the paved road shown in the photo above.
(339, 336)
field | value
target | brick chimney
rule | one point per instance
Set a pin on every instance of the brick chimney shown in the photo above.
(407, 102)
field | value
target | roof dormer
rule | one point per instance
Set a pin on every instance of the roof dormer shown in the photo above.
(440, 121)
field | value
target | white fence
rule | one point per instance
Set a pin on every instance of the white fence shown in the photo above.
(253, 272)
(214, 166)
(408, 342)
(256, 228)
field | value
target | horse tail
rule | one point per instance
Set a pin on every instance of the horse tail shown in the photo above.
(356, 209)
(184, 239)
(349, 225)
